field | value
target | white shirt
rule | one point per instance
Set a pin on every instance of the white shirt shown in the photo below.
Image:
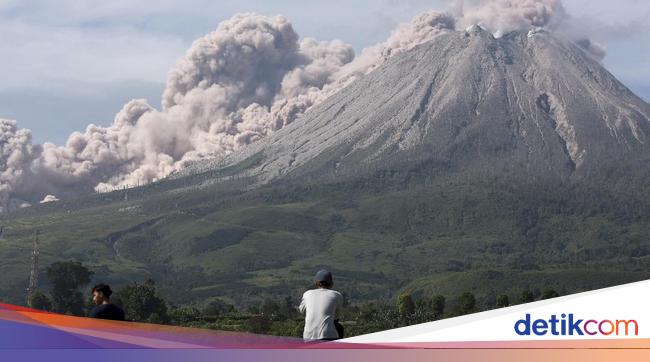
(320, 305)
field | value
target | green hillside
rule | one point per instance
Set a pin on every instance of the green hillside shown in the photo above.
(489, 235)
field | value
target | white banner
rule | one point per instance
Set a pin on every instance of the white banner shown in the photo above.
(621, 312)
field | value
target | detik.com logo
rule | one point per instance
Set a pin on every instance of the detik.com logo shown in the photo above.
(568, 325)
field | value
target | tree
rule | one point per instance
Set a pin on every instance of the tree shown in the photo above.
(466, 303)
(549, 293)
(40, 301)
(299, 329)
(438, 305)
(527, 296)
(66, 278)
(405, 305)
(502, 301)
(258, 324)
(270, 308)
(185, 315)
(141, 303)
(290, 310)
(217, 308)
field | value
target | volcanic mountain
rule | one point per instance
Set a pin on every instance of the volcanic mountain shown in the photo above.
(422, 176)
(527, 101)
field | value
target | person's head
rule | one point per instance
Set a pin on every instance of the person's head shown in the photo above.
(324, 279)
(101, 294)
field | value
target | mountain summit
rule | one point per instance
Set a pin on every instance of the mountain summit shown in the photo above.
(526, 101)
(422, 175)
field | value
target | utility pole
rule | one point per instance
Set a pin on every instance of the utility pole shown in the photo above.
(33, 275)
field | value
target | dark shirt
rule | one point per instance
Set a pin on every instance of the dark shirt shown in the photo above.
(107, 311)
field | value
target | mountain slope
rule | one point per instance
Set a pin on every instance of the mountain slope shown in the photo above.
(527, 101)
(416, 177)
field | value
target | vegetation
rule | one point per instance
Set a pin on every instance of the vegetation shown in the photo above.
(222, 257)
(549, 293)
(39, 301)
(66, 278)
(405, 305)
(438, 306)
(276, 316)
(142, 303)
(502, 301)
(467, 303)
(527, 296)
(279, 317)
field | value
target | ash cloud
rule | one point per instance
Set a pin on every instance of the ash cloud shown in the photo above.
(503, 16)
(49, 198)
(252, 76)
(597, 50)
(16, 156)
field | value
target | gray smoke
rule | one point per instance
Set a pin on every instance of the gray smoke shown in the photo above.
(252, 76)
(16, 156)
(49, 198)
(597, 50)
(235, 85)
(503, 16)
(419, 30)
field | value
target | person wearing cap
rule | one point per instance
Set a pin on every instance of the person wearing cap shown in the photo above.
(319, 306)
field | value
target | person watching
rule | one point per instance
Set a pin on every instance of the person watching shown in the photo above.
(320, 306)
(104, 309)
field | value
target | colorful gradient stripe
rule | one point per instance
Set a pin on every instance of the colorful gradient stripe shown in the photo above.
(27, 334)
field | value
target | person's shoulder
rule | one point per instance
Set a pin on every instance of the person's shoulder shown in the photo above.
(95, 309)
(116, 312)
(337, 293)
(100, 308)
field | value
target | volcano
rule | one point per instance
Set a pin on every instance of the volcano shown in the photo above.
(528, 101)
(468, 163)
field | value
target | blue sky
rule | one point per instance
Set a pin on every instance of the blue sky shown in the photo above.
(68, 63)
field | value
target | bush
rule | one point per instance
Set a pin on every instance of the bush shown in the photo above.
(217, 308)
(549, 293)
(141, 301)
(466, 303)
(502, 301)
(438, 306)
(405, 305)
(527, 296)
(40, 301)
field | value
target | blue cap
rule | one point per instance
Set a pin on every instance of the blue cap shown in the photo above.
(323, 276)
